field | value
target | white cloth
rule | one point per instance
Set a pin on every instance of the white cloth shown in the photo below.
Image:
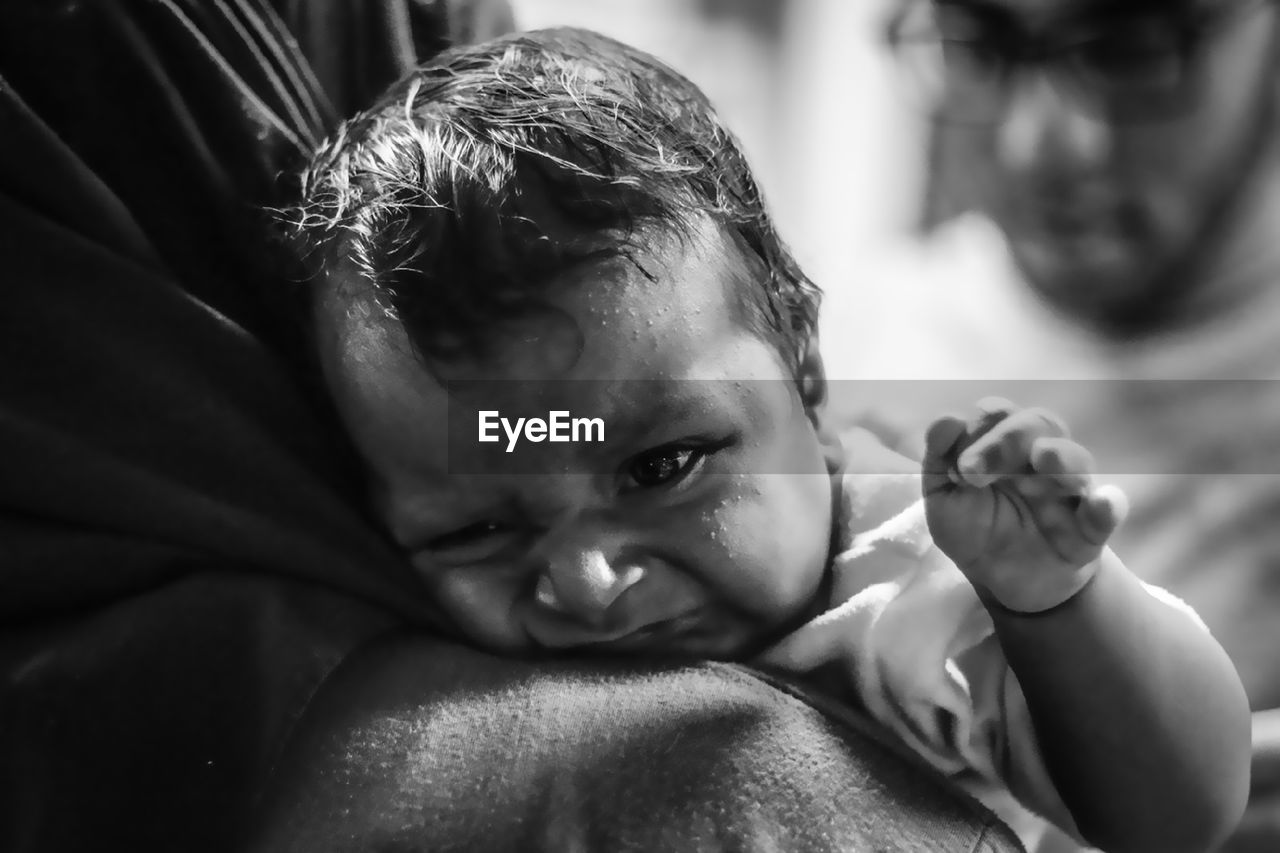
(920, 654)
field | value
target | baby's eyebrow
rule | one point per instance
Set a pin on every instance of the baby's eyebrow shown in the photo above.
(664, 407)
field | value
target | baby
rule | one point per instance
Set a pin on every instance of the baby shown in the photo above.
(581, 368)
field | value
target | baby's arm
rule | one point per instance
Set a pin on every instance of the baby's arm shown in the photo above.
(1141, 719)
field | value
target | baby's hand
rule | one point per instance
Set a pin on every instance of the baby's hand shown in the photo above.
(1010, 499)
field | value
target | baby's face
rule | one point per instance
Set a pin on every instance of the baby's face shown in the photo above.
(700, 524)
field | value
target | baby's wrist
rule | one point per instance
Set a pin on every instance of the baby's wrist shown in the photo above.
(1038, 593)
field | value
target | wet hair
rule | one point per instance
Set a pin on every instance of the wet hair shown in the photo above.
(483, 176)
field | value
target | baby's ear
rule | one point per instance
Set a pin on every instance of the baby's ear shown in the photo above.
(811, 379)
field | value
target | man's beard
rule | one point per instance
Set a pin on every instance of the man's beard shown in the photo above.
(1164, 293)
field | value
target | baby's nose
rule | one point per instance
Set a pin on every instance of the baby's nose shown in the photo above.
(584, 584)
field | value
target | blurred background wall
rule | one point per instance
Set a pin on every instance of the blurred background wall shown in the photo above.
(809, 90)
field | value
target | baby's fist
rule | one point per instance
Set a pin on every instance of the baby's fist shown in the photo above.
(1010, 499)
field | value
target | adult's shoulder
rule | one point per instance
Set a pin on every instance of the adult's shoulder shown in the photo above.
(421, 750)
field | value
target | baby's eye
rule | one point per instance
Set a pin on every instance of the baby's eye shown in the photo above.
(472, 544)
(663, 465)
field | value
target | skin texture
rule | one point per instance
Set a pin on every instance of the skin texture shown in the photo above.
(559, 546)
(1010, 500)
(1104, 215)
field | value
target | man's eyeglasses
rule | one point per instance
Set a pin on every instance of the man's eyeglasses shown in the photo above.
(1136, 65)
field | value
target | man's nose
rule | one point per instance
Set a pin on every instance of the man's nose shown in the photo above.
(1044, 127)
(582, 577)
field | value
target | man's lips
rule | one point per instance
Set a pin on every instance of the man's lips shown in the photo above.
(1069, 215)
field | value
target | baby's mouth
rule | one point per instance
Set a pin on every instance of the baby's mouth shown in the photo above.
(651, 613)
(662, 634)
(559, 632)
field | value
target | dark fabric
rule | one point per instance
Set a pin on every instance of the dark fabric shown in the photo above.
(703, 758)
(143, 395)
(357, 48)
(183, 563)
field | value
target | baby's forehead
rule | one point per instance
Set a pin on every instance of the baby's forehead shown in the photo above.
(670, 311)
(699, 272)
(652, 302)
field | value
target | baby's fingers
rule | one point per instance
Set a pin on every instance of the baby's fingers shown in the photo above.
(949, 435)
(1062, 464)
(1101, 512)
(1005, 450)
(943, 438)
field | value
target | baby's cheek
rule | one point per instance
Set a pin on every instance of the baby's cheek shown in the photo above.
(773, 533)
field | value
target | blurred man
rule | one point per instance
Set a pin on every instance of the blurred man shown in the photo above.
(1116, 168)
